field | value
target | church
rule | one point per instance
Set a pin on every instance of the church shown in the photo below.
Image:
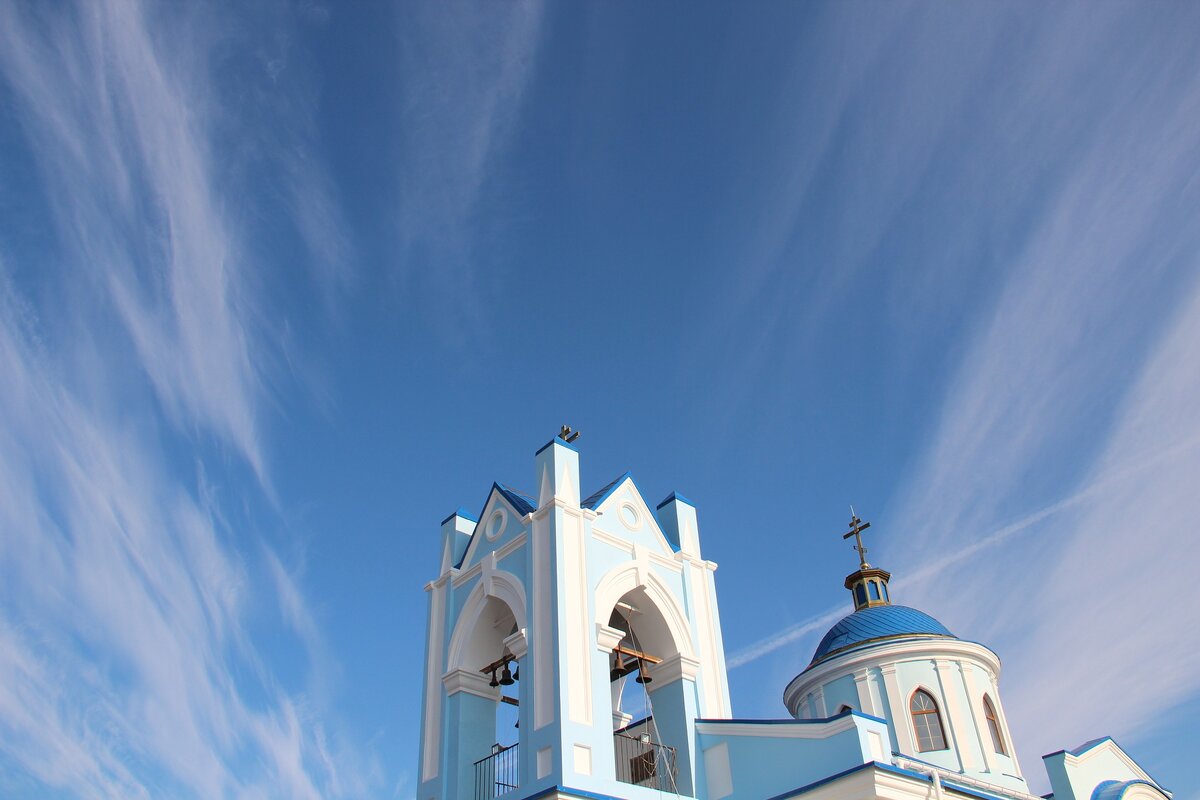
(574, 651)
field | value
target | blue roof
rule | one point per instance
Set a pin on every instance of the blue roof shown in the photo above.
(1115, 790)
(602, 494)
(522, 503)
(880, 622)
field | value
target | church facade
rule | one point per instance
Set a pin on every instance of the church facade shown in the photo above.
(574, 650)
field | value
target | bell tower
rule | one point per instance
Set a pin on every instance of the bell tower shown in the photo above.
(572, 642)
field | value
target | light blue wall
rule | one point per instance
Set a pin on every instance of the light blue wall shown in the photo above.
(769, 764)
(841, 692)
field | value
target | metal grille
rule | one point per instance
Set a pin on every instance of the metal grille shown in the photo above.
(498, 773)
(644, 763)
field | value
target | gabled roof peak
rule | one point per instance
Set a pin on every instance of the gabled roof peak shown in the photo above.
(602, 494)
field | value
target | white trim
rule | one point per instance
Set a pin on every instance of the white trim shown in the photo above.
(938, 774)
(469, 681)
(577, 671)
(954, 714)
(625, 578)
(505, 587)
(717, 773)
(893, 653)
(1008, 740)
(712, 704)
(582, 758)
(898, 711)
(975, 698)
(460, 576)
(862, 685)
(543, 630)
(517, 644)
(495, 529)
(607, 638)
(433, 669)
(674, 668)
(1109, 746)
(799, 730)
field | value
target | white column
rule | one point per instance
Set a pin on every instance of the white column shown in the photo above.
(899, 717)
(958, 724)
(862, 682)
(975, 699)
(1003, 720)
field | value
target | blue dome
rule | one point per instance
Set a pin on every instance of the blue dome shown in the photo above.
(880, 622)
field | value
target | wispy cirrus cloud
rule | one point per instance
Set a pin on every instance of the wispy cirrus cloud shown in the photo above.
(129, 613)
(1064, 442)
(1090, 348)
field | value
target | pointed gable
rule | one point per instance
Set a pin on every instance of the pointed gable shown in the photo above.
(501, 520)
(624, 512)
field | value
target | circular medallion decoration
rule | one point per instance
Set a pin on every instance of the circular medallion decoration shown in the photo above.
(495, 525)
(630, 517)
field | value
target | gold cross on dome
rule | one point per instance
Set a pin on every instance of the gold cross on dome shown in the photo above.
(857, 526)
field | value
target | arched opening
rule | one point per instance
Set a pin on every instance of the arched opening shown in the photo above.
(485, 696)
(648, 698)
(993, 723)
(927, 722)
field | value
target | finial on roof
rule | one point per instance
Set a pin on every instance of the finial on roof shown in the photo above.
(867, 584)
(857, 526)
(567, 435)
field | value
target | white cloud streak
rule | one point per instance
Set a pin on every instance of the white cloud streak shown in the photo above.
(128, 613)
(1078, 611)
(1072, 407)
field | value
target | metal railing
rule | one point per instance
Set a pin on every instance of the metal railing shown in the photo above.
(498, 773)
(939, 775)
(644, 763)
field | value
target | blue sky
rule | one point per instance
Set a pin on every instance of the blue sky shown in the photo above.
(281, 285)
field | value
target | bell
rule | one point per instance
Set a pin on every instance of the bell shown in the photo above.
(506, 678)
(517, 673)
(494, 683)
(618, 670)
(642, 676)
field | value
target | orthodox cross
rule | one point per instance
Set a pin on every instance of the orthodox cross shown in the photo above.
(857, 526)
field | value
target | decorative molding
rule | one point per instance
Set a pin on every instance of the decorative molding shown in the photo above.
(888, 655)
(607, 638)
(432, 734)
(517, 644)
(459, 577)
(505, 587)
(774, 730)
(611, 539)
(624, 578)
(469, 681)
(674, 668)
(1106, 746)
(630, 517)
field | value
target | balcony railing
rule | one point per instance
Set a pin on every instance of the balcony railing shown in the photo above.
(644, 763)
(498, 773)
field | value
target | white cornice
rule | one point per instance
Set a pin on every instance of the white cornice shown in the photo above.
(459, 577)
(886, 655)
(674, 668)
(607, 637)
(570, 508)
(469, 681)
(1108, 746)
(787, 730)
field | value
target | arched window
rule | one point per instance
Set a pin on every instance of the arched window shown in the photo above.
(874, 588)
(860, 595)
(993, 722)
(927, 722)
